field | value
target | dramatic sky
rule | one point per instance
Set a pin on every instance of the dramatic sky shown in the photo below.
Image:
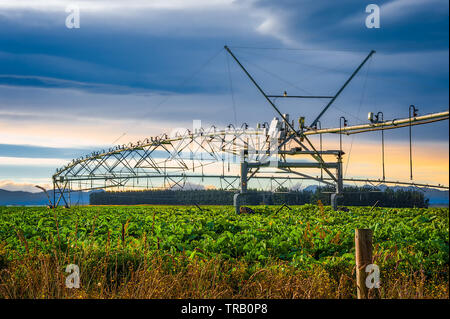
(138, 68)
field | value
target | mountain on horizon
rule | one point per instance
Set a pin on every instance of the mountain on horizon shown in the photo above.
(22, 198)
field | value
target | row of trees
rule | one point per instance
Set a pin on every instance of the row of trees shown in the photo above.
(364, 196)
(353, 196)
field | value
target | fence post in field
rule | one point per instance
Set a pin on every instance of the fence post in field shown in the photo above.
(363, 255)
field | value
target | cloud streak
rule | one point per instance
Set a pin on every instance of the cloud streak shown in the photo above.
(12, 186)
(25, 161)
(113, 5)
(400, 9)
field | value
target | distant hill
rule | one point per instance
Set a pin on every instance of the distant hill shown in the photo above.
(21, 198)
(437, 197)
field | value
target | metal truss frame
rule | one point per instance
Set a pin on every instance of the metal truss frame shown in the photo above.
(278, 154)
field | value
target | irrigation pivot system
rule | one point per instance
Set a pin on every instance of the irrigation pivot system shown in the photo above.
(271, 155)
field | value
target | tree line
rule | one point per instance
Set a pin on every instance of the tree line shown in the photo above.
(353, 196)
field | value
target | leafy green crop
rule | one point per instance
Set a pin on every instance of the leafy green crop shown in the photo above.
(410, 238)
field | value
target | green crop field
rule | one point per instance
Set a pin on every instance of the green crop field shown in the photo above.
(185, 252)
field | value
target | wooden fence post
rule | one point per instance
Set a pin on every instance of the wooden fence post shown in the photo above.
(363, 255)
